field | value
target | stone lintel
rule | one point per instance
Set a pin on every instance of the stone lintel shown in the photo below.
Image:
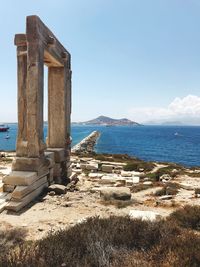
(37, 30)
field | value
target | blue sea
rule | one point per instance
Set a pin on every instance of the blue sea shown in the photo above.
(179, 144)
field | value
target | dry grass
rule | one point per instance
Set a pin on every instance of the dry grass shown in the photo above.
(115, 242)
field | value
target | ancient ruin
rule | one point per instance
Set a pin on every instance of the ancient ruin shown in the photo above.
(37, 163)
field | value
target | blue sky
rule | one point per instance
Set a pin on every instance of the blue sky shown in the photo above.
(130, 58)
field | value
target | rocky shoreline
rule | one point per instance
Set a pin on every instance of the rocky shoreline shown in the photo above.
(87, 144)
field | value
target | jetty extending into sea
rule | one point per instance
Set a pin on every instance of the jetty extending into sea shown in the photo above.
(87, 144)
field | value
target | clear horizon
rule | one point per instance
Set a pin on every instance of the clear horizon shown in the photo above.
(134, 59)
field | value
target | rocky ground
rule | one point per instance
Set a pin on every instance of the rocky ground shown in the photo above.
(103, 188)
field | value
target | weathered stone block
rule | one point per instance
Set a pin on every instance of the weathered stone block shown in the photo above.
(107, 168)
(92, 167)
(39, 165)
(121, 181)
(107, 180)
(118, 193)
(49, 154)
(22, 191)
(166, 197)
(149, 183)
(58, 189)
(16, 206)
(20, 178)
(126, 174)
(59, 154)
(8, 188)
(187, 186)
(83, 166)
(95, 175)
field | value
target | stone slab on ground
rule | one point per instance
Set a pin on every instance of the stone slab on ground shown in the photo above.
(94, 175)
(118, 193)
(126, 174)
(17, 206)
(149, 183)
(107, 168)
(187, 186)
(166, 197)
(107, 180)
(92, 167)
(132, 180)
(20, 178)
(144, 215)
(22, 191)
(121, 181)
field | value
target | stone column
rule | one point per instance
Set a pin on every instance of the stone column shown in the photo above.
(21, 144)
(35, 80)
(69, 105)
(57, 109)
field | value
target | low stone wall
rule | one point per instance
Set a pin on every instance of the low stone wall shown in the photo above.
(87, 144)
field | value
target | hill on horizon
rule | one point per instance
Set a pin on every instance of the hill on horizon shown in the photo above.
(107, 121)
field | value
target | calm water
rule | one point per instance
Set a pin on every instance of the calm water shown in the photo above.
(180, 144)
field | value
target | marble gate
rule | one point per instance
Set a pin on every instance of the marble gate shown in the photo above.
(38, 164)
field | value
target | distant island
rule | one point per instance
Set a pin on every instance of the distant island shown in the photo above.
(106, 121)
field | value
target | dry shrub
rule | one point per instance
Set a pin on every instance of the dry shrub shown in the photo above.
(10, 238)
(113, 242)
(187, 217)
(155, 176)
(168, 189)
(137, 165)
(139, 187)
(92, 243)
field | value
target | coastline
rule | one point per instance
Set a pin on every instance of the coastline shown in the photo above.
(150, 143)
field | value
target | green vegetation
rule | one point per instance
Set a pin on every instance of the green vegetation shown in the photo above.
(139, 187)
(113, 242)
(136, 165)
(171, 170)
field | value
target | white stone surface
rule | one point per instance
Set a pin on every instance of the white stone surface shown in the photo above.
(144, 215)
